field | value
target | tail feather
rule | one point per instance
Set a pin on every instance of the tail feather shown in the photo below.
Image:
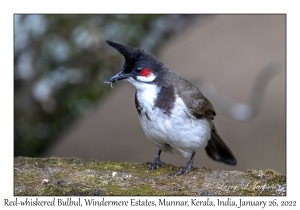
(218, 151)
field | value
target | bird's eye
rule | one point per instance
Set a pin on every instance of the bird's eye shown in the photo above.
(138, 69)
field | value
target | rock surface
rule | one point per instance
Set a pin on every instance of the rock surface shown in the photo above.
(77, 177)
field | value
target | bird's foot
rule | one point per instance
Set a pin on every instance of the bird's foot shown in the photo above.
(186, 169)
(155, 165)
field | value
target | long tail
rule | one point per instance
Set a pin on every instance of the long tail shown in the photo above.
(217, 149)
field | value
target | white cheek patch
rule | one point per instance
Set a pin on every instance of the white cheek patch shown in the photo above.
(148, 78)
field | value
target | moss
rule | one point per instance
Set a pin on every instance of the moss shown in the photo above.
(143, 189)
(266, 176)
(72, 176)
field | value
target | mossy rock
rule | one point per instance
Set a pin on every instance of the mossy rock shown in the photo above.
(73, 176)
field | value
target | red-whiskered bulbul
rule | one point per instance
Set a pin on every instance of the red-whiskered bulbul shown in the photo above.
(174, 114)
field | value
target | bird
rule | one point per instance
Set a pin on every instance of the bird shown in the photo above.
(174, 115)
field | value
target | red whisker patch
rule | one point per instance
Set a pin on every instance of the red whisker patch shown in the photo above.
(145, 72)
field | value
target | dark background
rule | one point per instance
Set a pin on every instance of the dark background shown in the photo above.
(62, 108)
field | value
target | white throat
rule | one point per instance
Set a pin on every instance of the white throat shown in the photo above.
(146, 93)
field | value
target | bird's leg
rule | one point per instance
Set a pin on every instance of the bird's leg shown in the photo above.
(157, 162)
(188, 166)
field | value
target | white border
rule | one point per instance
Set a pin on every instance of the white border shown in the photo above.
(8, 8)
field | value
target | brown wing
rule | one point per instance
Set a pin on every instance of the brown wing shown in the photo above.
(198, 105)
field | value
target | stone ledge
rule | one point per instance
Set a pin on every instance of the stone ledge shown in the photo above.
(77, 177)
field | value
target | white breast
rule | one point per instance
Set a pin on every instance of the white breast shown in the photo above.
(175, 133)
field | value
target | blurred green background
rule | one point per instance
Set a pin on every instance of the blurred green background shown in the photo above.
(61, 62)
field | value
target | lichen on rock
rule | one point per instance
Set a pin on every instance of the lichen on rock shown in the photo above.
(73, 176)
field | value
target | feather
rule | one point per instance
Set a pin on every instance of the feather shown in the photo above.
(217, 149)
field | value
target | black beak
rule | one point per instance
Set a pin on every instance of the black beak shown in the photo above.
(119, 76)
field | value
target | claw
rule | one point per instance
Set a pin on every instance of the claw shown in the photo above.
(157, 162)
(186, 169)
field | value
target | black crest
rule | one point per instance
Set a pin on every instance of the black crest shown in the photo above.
(138, 58)
(130, 54)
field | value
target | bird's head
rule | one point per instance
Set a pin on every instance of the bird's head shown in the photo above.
(139, 68)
